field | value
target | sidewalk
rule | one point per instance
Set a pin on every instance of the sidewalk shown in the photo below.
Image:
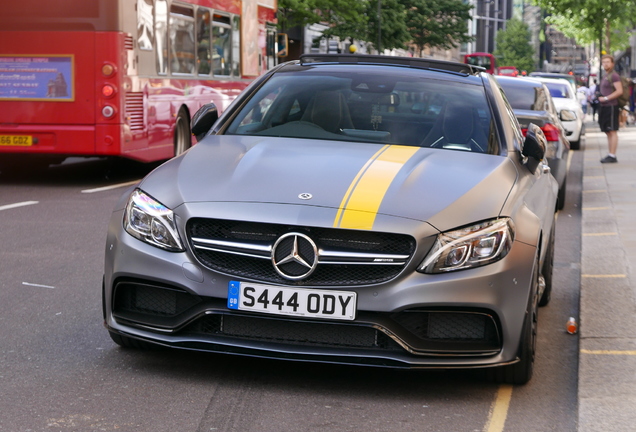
(607, 322)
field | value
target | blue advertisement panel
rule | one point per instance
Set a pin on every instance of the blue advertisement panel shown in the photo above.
(46, 78)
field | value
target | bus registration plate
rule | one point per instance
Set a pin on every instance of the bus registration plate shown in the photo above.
(16, 140)
(300, 302)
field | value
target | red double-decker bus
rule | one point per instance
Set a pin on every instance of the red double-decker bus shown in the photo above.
(485, 60)
(122, 77)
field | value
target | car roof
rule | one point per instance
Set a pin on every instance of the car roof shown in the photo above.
(519, 81)
(552, 80)
(412, 62)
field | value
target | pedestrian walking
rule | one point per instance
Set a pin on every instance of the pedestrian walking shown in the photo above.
(593, 99)
(608, 114)
(581, 95)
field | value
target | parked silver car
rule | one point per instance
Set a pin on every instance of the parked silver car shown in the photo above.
(349, 209)
(531, 101)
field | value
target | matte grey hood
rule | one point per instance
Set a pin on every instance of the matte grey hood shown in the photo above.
(432, 185)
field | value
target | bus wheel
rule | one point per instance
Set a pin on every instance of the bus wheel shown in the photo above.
(182, 138)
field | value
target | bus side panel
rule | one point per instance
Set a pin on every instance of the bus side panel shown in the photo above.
(53, 123)
(77, 45)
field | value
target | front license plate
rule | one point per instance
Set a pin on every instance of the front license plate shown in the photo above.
(16, 140)
(302, 302)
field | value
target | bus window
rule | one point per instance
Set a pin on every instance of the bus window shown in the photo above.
(181, 39)
(236, 45)
(144, 24)
(161, 35)
(222, 45)
(204, 57)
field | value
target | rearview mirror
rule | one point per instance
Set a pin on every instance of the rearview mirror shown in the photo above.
(203, 120)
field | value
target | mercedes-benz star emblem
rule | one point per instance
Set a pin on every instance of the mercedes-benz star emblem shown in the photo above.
(305, 196)
(295, 256)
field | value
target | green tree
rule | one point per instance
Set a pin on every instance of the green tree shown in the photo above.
(393, 30)
(349, 14)
(513, 46)
(592, 20)
(437, 23)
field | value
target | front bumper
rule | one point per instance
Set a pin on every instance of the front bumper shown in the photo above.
(469, 318)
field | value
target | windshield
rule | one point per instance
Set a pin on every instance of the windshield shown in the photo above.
(374, 107)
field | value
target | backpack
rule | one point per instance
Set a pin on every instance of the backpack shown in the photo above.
(624, 98)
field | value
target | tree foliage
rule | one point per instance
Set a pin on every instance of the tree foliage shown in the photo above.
(513, 46)
(433, 23)
(590, 20)
(437, 23)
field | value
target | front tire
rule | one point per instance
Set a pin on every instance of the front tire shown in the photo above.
(561, 195)
(548, 269)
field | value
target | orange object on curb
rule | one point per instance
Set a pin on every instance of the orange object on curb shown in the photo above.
(571, 326)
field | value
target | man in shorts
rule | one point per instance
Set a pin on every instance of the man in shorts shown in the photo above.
(608, 114)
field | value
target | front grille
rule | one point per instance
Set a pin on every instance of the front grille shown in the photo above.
(346, 257)
(135, 110)
(293, 332)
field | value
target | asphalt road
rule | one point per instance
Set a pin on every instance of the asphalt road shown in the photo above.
(59, 370)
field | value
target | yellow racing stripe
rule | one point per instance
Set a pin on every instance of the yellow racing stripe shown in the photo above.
(362, 201)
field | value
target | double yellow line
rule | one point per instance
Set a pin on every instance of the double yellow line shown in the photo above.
(362, 200)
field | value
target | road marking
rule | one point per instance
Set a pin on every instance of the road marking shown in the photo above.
(499, 409)
(115, 186)
(595, 191)
(38, 285)
(599, 234)
(595, 208)
(593, 177)
(605, 276)
(608, 352)
(20, 204)
(570, 154)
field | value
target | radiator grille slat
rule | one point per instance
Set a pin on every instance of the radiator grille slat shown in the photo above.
(135, 110)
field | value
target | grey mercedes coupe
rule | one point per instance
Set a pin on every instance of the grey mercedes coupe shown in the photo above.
(367, 210)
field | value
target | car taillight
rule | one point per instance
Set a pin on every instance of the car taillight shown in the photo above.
(550, 131)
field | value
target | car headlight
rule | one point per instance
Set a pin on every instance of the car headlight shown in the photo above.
(469, 247)
(151, 222)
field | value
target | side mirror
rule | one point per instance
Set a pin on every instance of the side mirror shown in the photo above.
(283, 45)
(535, 144)
(203, 120)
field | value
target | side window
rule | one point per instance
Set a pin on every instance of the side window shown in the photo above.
(204, 57)
(181, 39)
(222, 45)
(513, 118)
(161, 36)
(145, 31)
